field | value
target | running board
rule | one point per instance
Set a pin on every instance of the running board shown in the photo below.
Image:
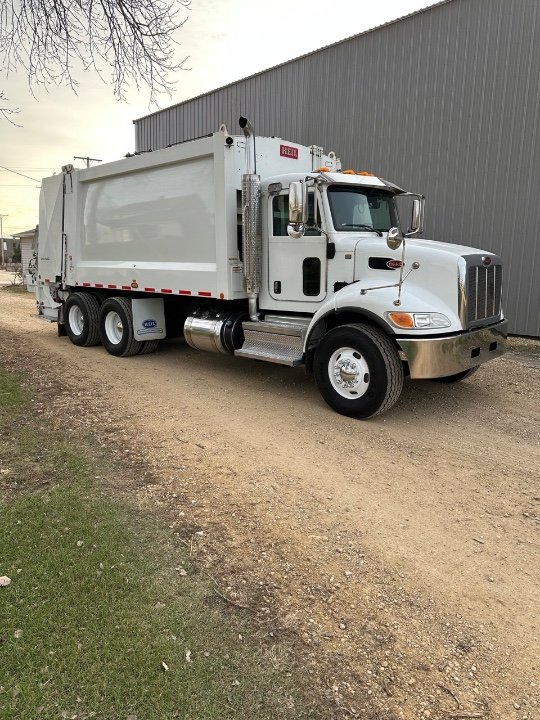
(277, 340)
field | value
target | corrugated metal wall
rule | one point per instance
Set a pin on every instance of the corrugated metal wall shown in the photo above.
(444, 102)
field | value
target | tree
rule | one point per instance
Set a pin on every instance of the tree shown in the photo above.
(5, 110)
(51, 39)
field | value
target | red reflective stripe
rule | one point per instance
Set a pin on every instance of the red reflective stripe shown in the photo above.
(87, 284)
(99, 284)
(126, 287)
(184, 292)
(166, 290)
(204, 294)
(113, 287)
(47, 280)
(149, 289)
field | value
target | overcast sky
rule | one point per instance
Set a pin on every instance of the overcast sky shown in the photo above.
(224, 40)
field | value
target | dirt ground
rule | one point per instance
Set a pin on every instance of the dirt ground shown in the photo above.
(402, 552)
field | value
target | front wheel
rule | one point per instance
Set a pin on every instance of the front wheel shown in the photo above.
(358, 371)
(458, 377)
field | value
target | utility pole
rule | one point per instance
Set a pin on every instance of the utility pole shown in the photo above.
(2, 235)
(86, 159)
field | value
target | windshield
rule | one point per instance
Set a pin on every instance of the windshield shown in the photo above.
(355, 208)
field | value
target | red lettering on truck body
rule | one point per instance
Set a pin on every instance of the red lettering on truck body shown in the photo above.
(288, 152)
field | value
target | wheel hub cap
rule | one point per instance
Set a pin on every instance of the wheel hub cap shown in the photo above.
(348, 371)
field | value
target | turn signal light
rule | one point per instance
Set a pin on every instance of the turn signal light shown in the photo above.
(418, 321)
(401, 319)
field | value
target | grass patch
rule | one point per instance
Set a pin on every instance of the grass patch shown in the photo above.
(104, 618)
(11, 394)
(14, 288)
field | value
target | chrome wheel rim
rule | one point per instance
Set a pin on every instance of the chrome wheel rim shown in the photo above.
(349, 373)
(114, 328)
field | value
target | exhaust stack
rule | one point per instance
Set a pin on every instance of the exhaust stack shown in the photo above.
(251, 220)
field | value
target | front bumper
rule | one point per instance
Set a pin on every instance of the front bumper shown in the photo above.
(441, 357)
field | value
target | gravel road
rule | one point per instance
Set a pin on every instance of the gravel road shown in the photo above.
(401, 551)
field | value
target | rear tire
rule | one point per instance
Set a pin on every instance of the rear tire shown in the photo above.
(148, 346)
(81, 318)
(358, 371)
(116, 327)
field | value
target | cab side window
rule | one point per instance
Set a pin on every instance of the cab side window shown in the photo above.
(280, 215)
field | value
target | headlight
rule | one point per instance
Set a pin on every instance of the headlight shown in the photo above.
(420, 321)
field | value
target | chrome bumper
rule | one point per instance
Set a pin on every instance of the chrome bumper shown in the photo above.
(447, 356)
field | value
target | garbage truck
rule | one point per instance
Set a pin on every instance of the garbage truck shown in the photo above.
(267, 250)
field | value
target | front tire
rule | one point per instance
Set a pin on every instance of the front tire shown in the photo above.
(358, 371)
(458, 377)
(116, 327)
(81, 317)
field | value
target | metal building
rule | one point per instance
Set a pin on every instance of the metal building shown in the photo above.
(445, 102)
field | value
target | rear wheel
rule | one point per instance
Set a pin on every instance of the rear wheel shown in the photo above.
(358, 371)
(116, 327)
(81, 317)
(148, 346)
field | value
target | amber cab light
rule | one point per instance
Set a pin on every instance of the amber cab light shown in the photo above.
(401, 319)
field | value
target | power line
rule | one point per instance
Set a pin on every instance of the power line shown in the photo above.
(21, 174)
(24, 167)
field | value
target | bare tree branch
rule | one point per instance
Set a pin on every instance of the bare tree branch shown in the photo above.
(7, 112)
(133, 38)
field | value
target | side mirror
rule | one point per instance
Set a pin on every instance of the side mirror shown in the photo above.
(417, 217)
(298, 202)
(297, 210)
(296, 230)
(394, 239)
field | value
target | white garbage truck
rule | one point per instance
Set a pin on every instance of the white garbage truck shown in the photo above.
(267, 250)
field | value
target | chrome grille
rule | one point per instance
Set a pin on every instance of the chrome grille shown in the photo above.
(484, 289)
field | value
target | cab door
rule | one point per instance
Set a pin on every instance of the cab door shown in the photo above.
(296, 268)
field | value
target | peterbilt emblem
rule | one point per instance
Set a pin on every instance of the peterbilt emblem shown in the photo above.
(394, 264)
(486, 260)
